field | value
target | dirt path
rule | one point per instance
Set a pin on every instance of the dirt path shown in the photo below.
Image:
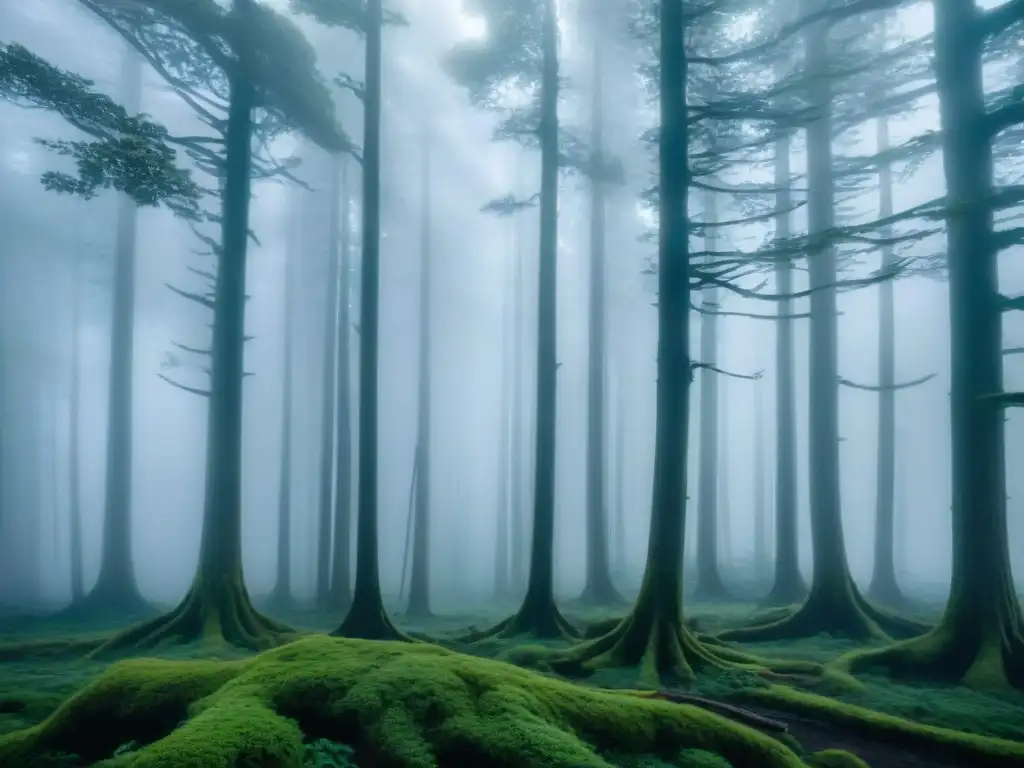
(816, 735)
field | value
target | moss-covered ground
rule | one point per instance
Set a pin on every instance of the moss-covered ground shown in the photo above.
(326, 702)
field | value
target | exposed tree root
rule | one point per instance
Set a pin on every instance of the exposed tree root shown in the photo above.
(956, 653)
(841, 613)
(540, 619)
(218, 611)
(666, 652)
(739, 714)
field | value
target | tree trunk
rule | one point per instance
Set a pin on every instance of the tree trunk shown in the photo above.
(217, 606)
(980, 638)
(75, 439)
(419, 582)
(761, 564)
(539, 616)
(502, 574)
(115, 590)
(709, 579)
(329, 393)
(834, 604)
(366, 617)
(517, 534)
(282, 596)
(620, 478)
(599, 589)
(884, 587)
(788, 586)
(341, 586)
(724, 497)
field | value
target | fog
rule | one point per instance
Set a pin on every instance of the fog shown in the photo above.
(474, 257)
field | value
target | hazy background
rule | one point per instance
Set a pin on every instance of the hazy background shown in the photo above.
(473, 257)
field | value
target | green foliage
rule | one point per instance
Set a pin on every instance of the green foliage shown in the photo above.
(347, 14)
(197, 45)
(323, 753)
(128, 153)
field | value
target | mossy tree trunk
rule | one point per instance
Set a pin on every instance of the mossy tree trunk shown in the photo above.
(75, 439)
(599, 588)
(329, 391)
(281, 596)
(834, 604)
(115, 590)
(788, 586)
(366, 617)
(538, 615)
(709, 584)
(341, 586)
(217, 606)
(980, 638)
(419, 580)
(653, 635)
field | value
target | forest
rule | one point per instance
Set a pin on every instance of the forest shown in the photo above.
(511, 383)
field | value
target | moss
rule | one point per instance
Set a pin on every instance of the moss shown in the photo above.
(836, 758)
(971, 748)
(397, 704)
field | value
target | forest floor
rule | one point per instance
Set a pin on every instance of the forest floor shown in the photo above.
(30, 690)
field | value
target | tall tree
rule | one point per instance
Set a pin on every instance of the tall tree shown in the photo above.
(419, 581)
(788, 586)
(980, 638)
(366, 616)
(599, 588)
(329, 390)
(282, 596)
(761, 556)
(115, 590)
(75, 438)
(341, 588)
(709, 584)
(217, 604)
(834, 603)
(504, 532)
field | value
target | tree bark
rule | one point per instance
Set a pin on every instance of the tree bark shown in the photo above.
(419, 583)
(761, 558)
(341, 586)
(366, 617)
(517, 533)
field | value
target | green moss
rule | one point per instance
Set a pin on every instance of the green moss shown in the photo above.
(971, 748)
(397, 704)
(836, 758)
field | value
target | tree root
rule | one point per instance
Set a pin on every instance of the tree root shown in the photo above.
(992, 660)
(210, 612)
(666, 652)
(536, 618)
(739, 714)
(367, 620)
(852, 616)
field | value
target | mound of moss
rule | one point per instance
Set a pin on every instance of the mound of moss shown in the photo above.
(396, 705)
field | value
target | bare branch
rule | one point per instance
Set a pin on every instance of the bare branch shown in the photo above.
(891, 388)
(185, 387)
